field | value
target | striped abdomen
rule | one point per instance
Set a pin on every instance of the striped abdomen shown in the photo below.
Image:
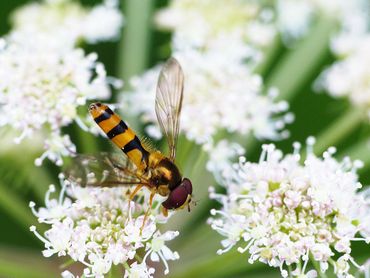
(120, 134)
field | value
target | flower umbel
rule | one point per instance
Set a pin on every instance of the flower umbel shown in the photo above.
(41, 89)
(285, 213)
(68, 22)
(218, 92)
(99, 228)
(200, 23)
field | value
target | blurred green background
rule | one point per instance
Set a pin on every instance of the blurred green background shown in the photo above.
(292, 70)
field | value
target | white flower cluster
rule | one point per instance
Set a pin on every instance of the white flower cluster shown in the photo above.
(218, 94)
(68, 22)
(44, 78)
(294, 18)
(203, 24)
(286, 214)
(349, 75)
(218, 44)
(99, 228)
(41, 90)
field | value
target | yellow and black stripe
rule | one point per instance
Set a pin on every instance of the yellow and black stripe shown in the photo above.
(120, 134)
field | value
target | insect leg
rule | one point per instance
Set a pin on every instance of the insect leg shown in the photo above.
(132, 195)
(137, 188)
(164, 211)
(148, 210)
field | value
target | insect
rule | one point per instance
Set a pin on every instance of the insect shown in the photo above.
(145, 166)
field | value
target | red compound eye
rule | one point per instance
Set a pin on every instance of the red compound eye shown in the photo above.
(179, 195)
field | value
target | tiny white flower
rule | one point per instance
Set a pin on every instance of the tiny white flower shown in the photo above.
(67, 274)
(139, 271)
(157, 249)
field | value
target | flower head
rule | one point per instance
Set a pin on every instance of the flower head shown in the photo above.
(237, 30)
(41, 90)
(221, 94)
(67, 21)
(286, 213)
(349, 77)
(295, 18)
(199, 23)
(100, 227)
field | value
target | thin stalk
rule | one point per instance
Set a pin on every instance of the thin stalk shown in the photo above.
(317, 268)
(183, 153)
(134, 46)
(39, 180)
(270, 56)
(226, 265)
(87, 142)
(15, 207)
(360, 151)
(36, 178)
(339, 130)
(298, 66)
(10, 268)
(290, 271)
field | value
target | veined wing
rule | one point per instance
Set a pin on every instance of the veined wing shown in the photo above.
(168, 102)
(104, 170)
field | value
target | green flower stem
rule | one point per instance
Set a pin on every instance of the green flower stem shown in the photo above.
(67, 264)
(36, 178)
(116, 271)
(39, 180)
(138, 258)
(337, 131)
(186, 150)
(15, 207)
(360, 151)
(316, 265)
(290, 270)
(270, 56)
(299, 66)
(11, 268)
(202, 235)
(134, 46)
(215, 266)
(86, 142)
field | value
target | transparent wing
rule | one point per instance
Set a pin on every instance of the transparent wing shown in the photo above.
(104, 170)
(168, 102)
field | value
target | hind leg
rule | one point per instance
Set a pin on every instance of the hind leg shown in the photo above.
(133, 194)
(148, 210)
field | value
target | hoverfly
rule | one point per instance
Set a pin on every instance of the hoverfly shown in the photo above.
(145, 166)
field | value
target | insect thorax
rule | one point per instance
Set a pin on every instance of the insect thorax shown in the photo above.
(164, 173)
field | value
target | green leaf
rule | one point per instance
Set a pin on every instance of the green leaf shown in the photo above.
(300, 65)
(134, 47)
(15, 207)
(338, 130)
(21, 264)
